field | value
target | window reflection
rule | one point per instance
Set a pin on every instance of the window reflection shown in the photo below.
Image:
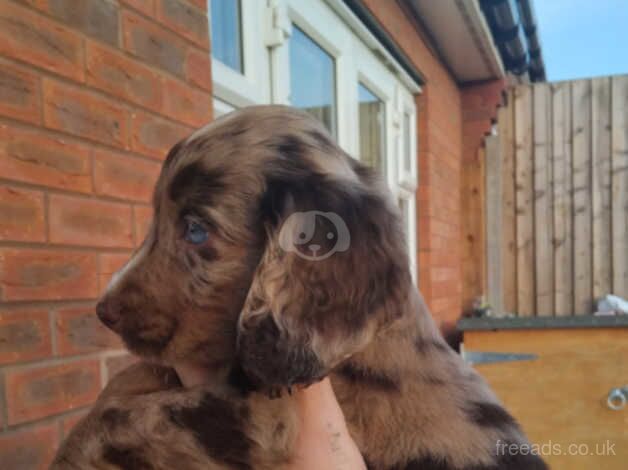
(226, 33)
(372, 129)
(312, 79)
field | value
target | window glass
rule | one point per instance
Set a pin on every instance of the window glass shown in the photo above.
(407, 148)
(312, 79)
(404, 208)
(226, 33)
(372, 129)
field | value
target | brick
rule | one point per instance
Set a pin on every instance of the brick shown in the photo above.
(69, 422)
(202, 4)
(198, 69)
(33, 157)
(29, 37)
(153, 44)
(187, 105)
(110, 263)
(88, 222)
(144, 6)
(21, 215)
(24, 336)
(143, 217)
(30, 274)
(115, 364)
(19, 93)
(34, 393)
(124, 177)
(153, 136)
(81, 113)
(96, 18)
(79, 331)
(185, 19)
(122, 77)
(29, 449)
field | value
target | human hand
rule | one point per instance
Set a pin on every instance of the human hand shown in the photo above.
(323, 441)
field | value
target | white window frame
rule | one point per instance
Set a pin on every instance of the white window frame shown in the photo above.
(374, 75)
(407, 177)
(324, 27)
(253, 85)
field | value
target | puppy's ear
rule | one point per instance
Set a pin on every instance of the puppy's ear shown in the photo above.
(334, 271)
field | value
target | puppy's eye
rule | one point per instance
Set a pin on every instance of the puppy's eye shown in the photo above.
(195, 233)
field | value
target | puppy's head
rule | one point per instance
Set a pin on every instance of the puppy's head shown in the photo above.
(268, 244)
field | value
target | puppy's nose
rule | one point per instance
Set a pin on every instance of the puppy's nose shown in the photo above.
(108, 312)
(314, 248)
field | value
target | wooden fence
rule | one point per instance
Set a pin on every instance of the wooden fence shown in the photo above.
(557, 197)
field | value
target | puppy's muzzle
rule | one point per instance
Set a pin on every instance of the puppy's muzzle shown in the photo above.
(109, 312)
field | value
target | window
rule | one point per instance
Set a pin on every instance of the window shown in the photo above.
(372, 130)
(226, 35)
(404, 207)
(318, 56)
(312, 79)
(407, 207)
(240, 56)
(407, 151)
(407, 147)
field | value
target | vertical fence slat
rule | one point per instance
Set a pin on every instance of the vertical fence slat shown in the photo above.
(544, 266)
(525, 222)
(620, 185)
(509, 234)
(561, 176)
(601, 180)
(493, 223)
(581, 99)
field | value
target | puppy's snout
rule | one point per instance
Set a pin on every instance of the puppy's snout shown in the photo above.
(109, 312)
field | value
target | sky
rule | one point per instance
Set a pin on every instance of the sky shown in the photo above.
(583, 38)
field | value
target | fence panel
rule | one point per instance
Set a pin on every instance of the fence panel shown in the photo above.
(523, 200)
(557, 236)
(601, 180)
(620, 185)
(543, 232)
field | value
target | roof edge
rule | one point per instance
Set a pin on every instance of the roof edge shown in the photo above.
(361, 11)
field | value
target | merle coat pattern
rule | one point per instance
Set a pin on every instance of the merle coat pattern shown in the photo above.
(210, 285)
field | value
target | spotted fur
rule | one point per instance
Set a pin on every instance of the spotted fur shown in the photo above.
(259, 319)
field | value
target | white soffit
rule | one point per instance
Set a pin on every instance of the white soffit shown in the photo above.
(462, 37)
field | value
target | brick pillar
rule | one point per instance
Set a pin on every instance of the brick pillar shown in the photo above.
(92, 96)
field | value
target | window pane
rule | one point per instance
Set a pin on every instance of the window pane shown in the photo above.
(407, 148)
(404, 208)
(226, 33)
(372, 129)
(312, 79)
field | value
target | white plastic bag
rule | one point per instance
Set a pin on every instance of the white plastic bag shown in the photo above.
(612, 304)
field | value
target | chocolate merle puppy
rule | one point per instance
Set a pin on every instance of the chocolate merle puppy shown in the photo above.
(223, 280)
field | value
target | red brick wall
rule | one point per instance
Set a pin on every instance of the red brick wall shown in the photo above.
(440, 150)
(443, 133)
(92, 95)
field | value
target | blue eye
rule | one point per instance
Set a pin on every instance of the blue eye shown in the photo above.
(195, 233)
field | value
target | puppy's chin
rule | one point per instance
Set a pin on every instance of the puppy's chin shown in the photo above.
(149, 344)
